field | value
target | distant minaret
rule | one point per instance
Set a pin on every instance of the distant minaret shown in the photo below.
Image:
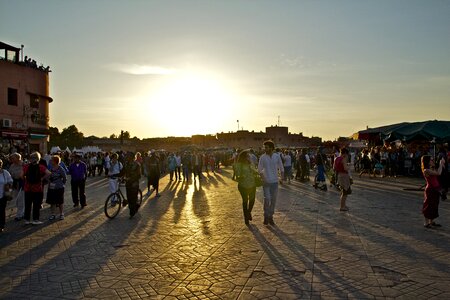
(279, 123)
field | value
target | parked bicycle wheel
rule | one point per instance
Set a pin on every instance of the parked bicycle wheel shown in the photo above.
(112, 205)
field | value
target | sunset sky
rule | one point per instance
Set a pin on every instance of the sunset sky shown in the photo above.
(177, 68)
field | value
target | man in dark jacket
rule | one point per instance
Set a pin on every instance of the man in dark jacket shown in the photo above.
(78, 174)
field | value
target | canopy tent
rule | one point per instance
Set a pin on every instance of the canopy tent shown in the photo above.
(428, 130)
(407, 132)
(373, 134)
(55, 149)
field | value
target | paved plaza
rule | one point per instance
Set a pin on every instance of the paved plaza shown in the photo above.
(192, 243)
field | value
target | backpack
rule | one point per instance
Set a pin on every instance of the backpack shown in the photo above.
(33, 174)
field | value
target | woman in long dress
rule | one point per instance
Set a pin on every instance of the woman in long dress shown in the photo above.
(430, 208)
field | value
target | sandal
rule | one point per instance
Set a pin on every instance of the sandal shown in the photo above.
(435, 224)
(344, 209)
(427, 225)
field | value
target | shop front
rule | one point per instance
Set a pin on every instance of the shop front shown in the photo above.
(13, 141)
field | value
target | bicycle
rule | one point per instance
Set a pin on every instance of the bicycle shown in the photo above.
(116, 200)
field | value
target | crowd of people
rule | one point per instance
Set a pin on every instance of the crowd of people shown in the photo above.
(33, 64)
(29, 178)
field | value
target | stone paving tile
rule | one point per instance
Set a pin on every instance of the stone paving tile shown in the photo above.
(191, 243)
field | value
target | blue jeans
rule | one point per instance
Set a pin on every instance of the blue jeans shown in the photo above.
(270, 198)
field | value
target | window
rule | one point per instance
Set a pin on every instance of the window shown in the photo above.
(34, 101)
(12, 96)
(11, 55)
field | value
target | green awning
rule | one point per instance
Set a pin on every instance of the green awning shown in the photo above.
(36, 136)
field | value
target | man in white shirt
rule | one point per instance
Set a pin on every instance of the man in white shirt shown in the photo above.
(269, 165)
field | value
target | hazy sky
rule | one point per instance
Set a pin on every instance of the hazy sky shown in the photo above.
(177, 68)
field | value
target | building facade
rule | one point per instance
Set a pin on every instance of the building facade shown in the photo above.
(24, 103)
(280, 135)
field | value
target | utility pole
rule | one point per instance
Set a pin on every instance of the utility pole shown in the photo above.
(238, 124)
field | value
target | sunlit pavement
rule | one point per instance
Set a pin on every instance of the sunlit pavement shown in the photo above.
(192, 243)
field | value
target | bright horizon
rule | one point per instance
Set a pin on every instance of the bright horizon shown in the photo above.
(179, 68)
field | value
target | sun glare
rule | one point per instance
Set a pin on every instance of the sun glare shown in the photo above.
(188, 104)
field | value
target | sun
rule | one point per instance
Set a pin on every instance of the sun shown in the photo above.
(191, 104)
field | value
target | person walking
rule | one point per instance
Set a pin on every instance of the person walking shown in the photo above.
(78, 174)
(186, 161)
(432, 194)
(106, 163)
(340, 166)
(178, 169)
(154, 172)
(56, 185)
(172, 166)
(6, 182)
(444, 178)
(197, 165)
(245, 176)
(16, 171)
(132, 172)
(287, 163)
(321, 163)
(269, 165)
(34, 174)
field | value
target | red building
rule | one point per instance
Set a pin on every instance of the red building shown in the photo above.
(24, 103)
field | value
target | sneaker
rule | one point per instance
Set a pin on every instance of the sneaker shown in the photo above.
(37, 222)
(52, 217)
(75, 205)
(27, 222)
(158, 195)
(61, 217)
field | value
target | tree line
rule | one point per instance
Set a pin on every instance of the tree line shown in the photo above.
(71, 137)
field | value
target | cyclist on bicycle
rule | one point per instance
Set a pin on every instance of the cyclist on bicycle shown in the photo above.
(115, 168)
(132, 172)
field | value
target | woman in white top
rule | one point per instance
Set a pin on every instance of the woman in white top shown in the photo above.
(16, 171)
(115, 167)
(5, 183)
(287, 163)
